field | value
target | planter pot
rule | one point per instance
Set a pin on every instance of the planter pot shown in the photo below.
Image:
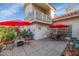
(3, 40)
(9, 42)
(20, 43)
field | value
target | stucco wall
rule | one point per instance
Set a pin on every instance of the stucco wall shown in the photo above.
(39, 33)
(52, 13)
(42, 32)
(75, 26)
(33, 28)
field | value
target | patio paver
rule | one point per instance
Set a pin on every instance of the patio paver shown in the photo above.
(38, 48)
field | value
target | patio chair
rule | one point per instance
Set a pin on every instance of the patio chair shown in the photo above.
(67, 39)
(28, 39)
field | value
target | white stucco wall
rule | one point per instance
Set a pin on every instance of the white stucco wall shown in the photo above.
(39, 33)
(33, 28)
(52, 13)
(75, 26)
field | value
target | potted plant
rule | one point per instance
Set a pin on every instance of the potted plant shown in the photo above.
(24, 34)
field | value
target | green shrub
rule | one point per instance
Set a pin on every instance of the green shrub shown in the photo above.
(9, 36)
(24, 34)
(2, 35)
(7, 33)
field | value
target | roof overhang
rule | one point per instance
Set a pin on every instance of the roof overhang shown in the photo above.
(67, 16)
(45, 6)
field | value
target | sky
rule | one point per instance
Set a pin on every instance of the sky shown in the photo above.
(60, 7)
(12, 11)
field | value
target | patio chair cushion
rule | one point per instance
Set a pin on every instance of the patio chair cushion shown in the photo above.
(67, 38)
(76, 45)
(73, 38)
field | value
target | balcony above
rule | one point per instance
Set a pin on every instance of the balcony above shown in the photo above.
(36, 15)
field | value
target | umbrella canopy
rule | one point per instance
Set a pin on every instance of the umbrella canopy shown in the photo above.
(58, 26)
(15, 23)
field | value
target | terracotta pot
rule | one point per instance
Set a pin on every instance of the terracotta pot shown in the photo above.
(3, 40)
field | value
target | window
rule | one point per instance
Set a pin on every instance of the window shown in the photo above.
(39, 28)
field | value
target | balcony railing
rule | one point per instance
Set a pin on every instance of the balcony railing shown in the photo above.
(38, 15)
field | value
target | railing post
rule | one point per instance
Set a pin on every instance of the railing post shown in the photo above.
(34, 14)
(42, 16)
(50, 20)
(46, 18)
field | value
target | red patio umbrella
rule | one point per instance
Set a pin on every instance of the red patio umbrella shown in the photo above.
(15, 23)
(58, 26)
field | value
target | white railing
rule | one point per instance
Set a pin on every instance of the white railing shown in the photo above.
(38, 15)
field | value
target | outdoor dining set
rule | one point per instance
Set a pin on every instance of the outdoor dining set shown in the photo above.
(63, 32)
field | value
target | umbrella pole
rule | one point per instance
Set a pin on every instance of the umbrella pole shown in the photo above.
(19, 32)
